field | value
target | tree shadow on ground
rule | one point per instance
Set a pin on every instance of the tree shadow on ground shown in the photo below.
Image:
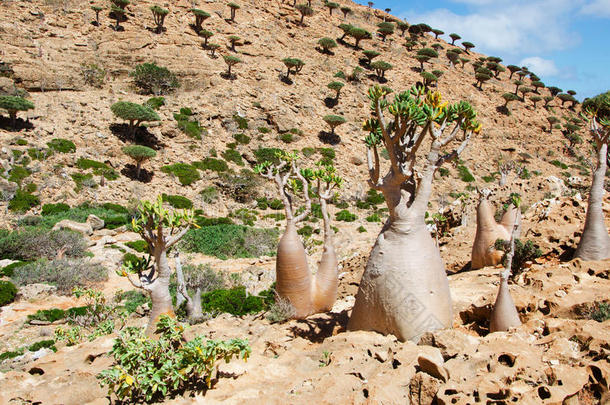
(20, 124)
(141, 136)
(285, 79)
(129, 171)
(331, 102)
(329, 138)
(324, 51)
(502, 109)
(318, 327)
(376, 78)
(227, 76)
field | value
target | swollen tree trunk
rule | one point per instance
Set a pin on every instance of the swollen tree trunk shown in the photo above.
(293, 278)
(194, 311)
(404, 290)
(159, 292)
(511, 221)
(504, 314)
(595, 243)
(488, 231)
(326, 280)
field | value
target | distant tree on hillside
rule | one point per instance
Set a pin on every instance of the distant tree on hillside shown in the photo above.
(509, 97)
(293, 65)
(402, 27)
(206, 36)
(481, 78)
(200, 17)
(467, 46)
(14, 104)
(512, 69)
(305, 11)
(234, 40)
(234, 7)
(118, 14)
(134, 113)
(331, 6)
(359, 34)
(554, 90)
(231, 61)
(346, 28)
(380, 68)
(336, 87)
(97, 10)
(385, 29)
(454, 37)
(552, 122)
(535, 100)
(370, 55)
(139, 154)
(159, 15)
(333, 122)
(437, 32)
(327, 44)
(345, 10)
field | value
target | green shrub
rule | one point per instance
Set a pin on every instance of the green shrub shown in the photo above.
(18, 174)
(559, 164)
(52, 209)
(601, 313)
(56, 314)
(14, 104)
(8, 271)
(267, 155)
(23, 201)
(524, 252)
(209, 163)
(99, 168)
(327, 44)
(132, 300)
(361, 229)
(308, 152)
(32, 243)
(8, 292)
(187, 174)
(202, 221)
(62, 145)
(134, 113)
(345, 216)
(138, 245)
(286, 137)
(209, 194)
(306, 231)
(146, 371)
(152, 79)
(188, 125)
(231, 241)
(242, 138)
(241, 187)
(263, 130)
(233, 301)
(65, 274)
(43, 344)
(465, 174)
(81, 180)
(155, 102)
(374, 217)
(114, 215)
(231, 155)
(177, 201)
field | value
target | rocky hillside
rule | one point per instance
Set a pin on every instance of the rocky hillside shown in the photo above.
(68, 149)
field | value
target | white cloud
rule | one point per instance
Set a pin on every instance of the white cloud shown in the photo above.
(509, 27)
(597, 8)
(540, 66)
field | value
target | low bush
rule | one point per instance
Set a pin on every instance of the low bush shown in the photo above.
(241, 186)
(187, 124)
(35, 242)
(202, 221)
(132, 299)
(465, 174)
(559, 164)
(83, 180)
(233, 301)
(267, 155)
(242, 138)
(138, 245)
(373, 198)
(23, 201)
(18, 174)
(177, 201)
(113, 215)
(210, 163)
(8, 292)
(43, 344)
(152, 79)
(52, 209)
(65, 274)
(345, 216)
(374, 217)
(146, 371)
(99, 168)
(231, 155)
(601, 313)
(209, 195)
(524, 252)
(231, 241)
(187, 174)
(8, 271)
(56, 314)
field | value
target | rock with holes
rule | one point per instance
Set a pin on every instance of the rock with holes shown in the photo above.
(423, 388)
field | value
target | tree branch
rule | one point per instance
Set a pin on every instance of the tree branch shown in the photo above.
(373, 162)
(304, 214)
(172, 241)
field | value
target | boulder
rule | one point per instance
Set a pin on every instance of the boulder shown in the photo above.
(85, 228)
(95, 222)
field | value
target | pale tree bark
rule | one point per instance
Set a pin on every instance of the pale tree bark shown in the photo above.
(155, 279)
(504, 314)
(194, 310)
(488, 231)
(293, 278)
(595, 243)
(404, 289)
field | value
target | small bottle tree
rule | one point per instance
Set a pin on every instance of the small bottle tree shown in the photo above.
(385, 29)
(206, 36)
(380, 68)
(161, 229)
(333, 122)
(336, 87)
(370, 55)
(200, 17)
(213, 48)
(346, 10)
(402, 27)
(467, 46)
(454, 37)
(359, 34)
(293, 65)
(118, 14)
(234, 7)
(159, 15)
(97, 10)
(231, 61)
(437, 32)
(327, 44)
(14, 104)
(552, 122)
(305, 11)
(139, 154)
(234, 40)
(134, 113)
(512, 69)
(331, 6)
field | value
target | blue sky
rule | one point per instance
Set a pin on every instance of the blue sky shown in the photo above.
(565, 42)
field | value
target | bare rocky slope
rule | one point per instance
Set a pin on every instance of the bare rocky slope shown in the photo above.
(557, 356)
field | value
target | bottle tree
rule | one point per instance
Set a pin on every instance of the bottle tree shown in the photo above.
(307, 293)
(594, 243)
(161, 229)
(404, 290)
